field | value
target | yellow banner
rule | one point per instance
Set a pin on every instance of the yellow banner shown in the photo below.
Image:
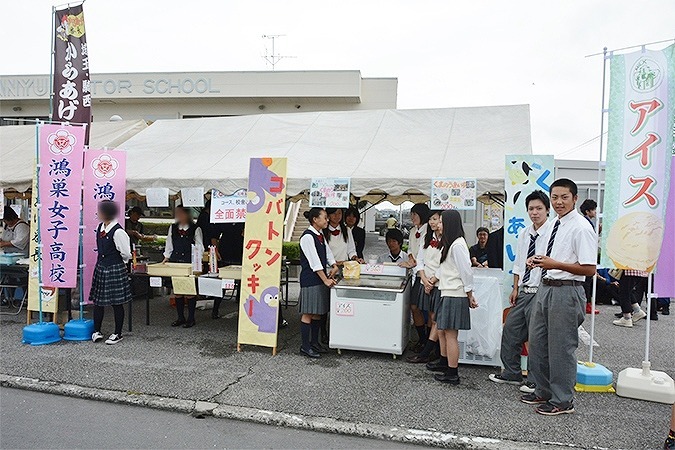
(50, 296)
(261, 267)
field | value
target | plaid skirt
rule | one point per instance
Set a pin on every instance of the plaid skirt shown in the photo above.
(314, 300)
(110, 286)
(452, 313)
(428, 302)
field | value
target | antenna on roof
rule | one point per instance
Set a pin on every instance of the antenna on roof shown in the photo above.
(273, 58)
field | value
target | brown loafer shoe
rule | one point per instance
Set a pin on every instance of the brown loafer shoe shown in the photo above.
(417, 359)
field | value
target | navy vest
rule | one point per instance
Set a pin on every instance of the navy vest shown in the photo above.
(307, 276)
(182, 244)
(107, 252)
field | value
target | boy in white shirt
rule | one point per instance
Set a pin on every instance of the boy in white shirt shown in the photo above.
(394, 239)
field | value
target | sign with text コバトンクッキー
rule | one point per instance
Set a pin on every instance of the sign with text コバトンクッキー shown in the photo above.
(639, 152)
(329, 192)
(261, 267)
(453, 193)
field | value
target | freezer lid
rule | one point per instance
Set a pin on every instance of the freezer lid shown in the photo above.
(377, 283)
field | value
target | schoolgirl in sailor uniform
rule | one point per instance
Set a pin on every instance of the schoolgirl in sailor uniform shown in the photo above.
(315, 283)
(456, 286)
(182, 235)
(428, 263)
(110, 285)
(419, 214)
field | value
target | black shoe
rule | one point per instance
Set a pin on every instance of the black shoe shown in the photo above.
(547, 409)
(440, 365)
(310, 353)
(189, 324)
(177, 323)
(665, 311)
(417, 359)
(654, 317)
(447, 379)
(319, 348)
(531, 399)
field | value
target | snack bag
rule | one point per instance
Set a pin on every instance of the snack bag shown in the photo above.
(351, 270)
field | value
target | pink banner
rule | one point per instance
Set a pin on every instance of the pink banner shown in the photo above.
(60, 188)
(664, 280)
(104, 179)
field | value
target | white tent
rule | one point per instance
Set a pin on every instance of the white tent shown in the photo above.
(392, 152)
(17, 148)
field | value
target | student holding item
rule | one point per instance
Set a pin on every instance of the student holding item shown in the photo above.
(428, 263)
(531, 241)
(419, 214)
(182, 235)
(456, 286)
(315, 283)
(352, 218)
(110, 284)
(394, 240)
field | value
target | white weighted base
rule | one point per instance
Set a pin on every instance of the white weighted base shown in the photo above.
(646, 384)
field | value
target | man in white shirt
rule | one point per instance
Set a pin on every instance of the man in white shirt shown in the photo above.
(394, 239)
(531, 241)
(560, 304)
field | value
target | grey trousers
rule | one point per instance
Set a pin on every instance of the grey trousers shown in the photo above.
(556, 315)
(514, 334)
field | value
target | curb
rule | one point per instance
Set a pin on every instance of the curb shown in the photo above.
(319, 424)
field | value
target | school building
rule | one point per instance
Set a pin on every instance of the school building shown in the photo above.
(176, 95)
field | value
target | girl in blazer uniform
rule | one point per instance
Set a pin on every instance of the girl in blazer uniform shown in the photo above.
(110, 285)
(456, 285)
(182, 235)
(315, 283)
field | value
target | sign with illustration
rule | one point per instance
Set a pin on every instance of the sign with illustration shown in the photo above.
(261, 267)
(639, 152)
(228, 208)
(104, 179)
(453, 193)
(329, 192)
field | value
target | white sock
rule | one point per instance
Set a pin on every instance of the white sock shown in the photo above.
(636, 308)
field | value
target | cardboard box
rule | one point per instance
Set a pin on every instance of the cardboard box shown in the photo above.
(170, 269)
(230, 272)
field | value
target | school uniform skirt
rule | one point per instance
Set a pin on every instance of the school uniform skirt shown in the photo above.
(428, 302)
(452, 313)
(110, 285)
(314, 300)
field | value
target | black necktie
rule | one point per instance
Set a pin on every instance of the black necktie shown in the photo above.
(549, 247)
(530, 254)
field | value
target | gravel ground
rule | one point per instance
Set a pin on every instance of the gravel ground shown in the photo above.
(202, 364)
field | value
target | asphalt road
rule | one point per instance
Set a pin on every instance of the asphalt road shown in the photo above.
(37, 420)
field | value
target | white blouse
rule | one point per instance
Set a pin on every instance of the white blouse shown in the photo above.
(342, 251)
(308, 248)
(198, 241)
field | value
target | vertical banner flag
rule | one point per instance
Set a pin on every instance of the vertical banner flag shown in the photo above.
(60, 186)
(72, 85)
(49, 294)
(104, 179)
(228, 208)
(664, 279)
(261, 269)
(639, 152)
(523, 175)
(453, 193)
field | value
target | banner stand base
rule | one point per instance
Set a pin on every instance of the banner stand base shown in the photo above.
(41, 333)
(593, 377)
(78, 330)
(646, 384)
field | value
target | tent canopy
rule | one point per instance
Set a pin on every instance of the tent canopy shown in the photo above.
(17, 148)
(384, 152)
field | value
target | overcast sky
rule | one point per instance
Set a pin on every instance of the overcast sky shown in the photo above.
(444, 53)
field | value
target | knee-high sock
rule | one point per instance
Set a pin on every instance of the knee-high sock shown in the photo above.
(192, 306)
(180, 306)
(316, 326)
(118, 310)
(323, 322)
(305, 332)
(98, 317)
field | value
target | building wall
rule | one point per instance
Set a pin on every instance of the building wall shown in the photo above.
(153, 96)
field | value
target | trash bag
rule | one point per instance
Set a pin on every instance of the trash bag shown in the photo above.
(484, 337)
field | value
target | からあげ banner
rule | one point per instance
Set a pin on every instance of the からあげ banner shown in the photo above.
(60, 190)
(639, 152)
(261, 267)
(71, 83)
(104, 179)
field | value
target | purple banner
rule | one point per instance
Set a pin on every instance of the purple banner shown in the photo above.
(104, 179)
(664, 279)
(72, 86)
(60, 190)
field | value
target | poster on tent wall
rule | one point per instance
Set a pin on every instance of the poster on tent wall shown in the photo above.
(60, 187)
(261, 267)
(664, 279)
(104, 179)
(329, 192)
(72, 85)
(523, 174)
(453, 193)
(49, 294)
(228, 208)
(639, 152)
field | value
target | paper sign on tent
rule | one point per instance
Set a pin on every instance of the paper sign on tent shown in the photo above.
(157, 197)
(184, 285)
(192, 197)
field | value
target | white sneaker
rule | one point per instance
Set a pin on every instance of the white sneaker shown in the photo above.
(527, 387)
(639, 315)
(497, 378)
(623, 322)
(96, 336)
(113, 339)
